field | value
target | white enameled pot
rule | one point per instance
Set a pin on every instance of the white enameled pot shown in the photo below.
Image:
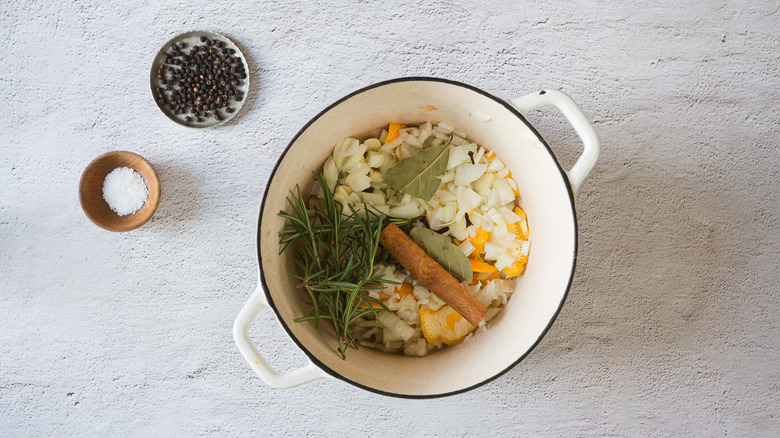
(547, 196)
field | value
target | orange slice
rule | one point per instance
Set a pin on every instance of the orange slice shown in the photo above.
(444, 324)
(522, 226)
(477, 265)
(517, 268)
(480, 239)
(393, 131)
(404, 289)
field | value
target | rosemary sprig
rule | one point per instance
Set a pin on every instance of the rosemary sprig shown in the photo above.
(336, 254)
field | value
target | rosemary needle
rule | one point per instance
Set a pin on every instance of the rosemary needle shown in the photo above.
(335, 254)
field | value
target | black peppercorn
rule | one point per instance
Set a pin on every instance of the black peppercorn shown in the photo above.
(203, 82)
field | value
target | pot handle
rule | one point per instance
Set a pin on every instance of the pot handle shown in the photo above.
(271, 377)
(577, 119)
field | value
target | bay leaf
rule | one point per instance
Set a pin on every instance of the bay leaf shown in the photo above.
(441, 249)
(420, 174)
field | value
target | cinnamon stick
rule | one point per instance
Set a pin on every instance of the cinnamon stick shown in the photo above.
(431, 274)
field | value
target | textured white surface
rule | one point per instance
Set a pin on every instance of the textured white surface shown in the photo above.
(671, 326)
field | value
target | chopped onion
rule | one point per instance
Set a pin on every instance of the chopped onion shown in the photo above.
(375, 199)
(396, 142)
(358, 182)
(482, 185)
(354, 198)
(495, 164)
(505, 193)
(446, 196)
(492, 199)
(487, 294)
(458, 232)
(412, 140)
(448, 177)
(445, 128)
(508, 215)
(375, 159)
(347, 150)
(383, 208)
(442, 216)
(373, 144)
(417, 347)
(476, 219)
(479, 155)
(354, 160)
(408, 210)
(495, 216)
(341, 195)
(423, 136)
(468, 199)
(458, 155)
(499, 231)
(504, 261)
(468, 173)
(467, 247)
(376, 177)
(493, 251)
(459, 140)
(330, 172)
(389, 162)
(406, 151)
(421, 292)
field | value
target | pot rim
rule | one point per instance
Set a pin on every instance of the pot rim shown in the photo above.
(287, 329)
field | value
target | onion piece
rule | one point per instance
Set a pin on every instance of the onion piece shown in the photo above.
(375, 199)
(467, 248)
(358, 182)
(504, 261)
(508, 215)
(330, 172)
(493, 251)
(468, 173)
(505, 192)
(468, 199)
(397, 141)
(495, 164)
(445, 128)
(482, 185)
(408, 210)
(375, 159)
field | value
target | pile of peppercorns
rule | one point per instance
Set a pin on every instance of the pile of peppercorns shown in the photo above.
(201, 82)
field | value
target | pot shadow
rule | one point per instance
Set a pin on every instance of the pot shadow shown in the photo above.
(658, 266)
(180, 197)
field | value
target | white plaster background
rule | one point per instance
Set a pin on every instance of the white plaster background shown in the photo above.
(671, 327)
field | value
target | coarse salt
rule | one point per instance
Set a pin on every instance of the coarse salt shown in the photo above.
(125, 191)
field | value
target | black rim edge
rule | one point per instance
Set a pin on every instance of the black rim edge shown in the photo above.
(287, 329)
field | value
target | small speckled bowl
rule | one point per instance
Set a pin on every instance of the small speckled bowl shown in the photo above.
(91, 191)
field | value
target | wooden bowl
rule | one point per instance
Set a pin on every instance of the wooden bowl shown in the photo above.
(91, 191)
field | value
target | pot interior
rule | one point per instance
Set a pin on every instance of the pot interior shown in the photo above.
(544, 196)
